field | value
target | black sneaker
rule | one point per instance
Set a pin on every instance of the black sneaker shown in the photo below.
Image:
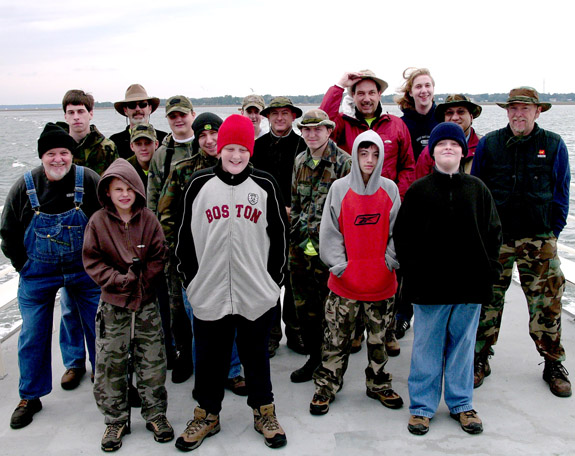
(401, 327)
(304, 373)
(24, 413)
(556, 375)
(162, 429)
(112, 438)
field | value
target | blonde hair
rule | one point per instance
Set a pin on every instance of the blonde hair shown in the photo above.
(404, 99)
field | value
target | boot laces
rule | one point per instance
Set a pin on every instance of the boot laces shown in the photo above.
(194, 426)
(113, 430)
(269, 422)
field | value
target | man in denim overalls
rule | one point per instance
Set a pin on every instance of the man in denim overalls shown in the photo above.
(42, 233)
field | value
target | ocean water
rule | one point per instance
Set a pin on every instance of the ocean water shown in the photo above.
(19, 131)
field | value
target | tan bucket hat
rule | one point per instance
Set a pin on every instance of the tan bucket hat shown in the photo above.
(368, 74)
(136, 93)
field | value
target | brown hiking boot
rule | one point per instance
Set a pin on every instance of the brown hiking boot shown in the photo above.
(391, 344)
(203, 425)
(555, 374)
(418, 425)
(162, 429)
(266, 423)
(71, 378)
(112, 438)
(469, 421)
(388, 398)
(24, 413)
(481, 369)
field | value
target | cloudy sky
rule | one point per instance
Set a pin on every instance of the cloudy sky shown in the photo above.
(210, 48)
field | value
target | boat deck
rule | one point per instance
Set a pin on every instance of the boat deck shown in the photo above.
(520, 415)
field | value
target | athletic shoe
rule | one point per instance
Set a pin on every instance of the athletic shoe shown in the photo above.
(388, 398)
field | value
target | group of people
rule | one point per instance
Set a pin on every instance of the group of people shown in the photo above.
(170, 250)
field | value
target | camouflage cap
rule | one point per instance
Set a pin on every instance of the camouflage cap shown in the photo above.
(143, 130)
(179, 103)
(457, 99)
(315, 118)
(257, 101)
(525, 95)
(368, 74)
(281, 102)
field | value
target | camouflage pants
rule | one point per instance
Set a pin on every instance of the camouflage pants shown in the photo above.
(309, 284)
(543, 284)
(112, 347)
(341, 315)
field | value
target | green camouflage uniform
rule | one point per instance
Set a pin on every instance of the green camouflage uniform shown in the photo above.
(95, 151)
(309, 276)
(112, 348)
(543, 284)
(341, 315)
(157, 176)
(168, 214)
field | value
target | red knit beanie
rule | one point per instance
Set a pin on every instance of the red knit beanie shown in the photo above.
(239, 130)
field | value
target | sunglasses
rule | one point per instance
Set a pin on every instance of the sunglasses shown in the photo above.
(141, 104)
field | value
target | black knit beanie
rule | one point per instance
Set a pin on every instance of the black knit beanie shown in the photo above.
(206, 121)
(447, 130)
(53, 137)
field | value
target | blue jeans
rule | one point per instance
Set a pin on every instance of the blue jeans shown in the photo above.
(72, 334)
(39, 283)
(235, 364)
(443, 350)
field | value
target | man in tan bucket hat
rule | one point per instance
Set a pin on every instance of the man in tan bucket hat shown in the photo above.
(526, 169)
(136, 107)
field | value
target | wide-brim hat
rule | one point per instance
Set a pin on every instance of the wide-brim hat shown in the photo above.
(315, 118)
(525, 95)
(136, 93)
(457, 99)
(368, 74)
(281, 102)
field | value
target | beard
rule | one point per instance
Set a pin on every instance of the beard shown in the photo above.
(57, 173)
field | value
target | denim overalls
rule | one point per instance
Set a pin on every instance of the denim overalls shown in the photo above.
(53, 244)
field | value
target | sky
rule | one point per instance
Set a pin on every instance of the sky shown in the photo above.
(205, 48)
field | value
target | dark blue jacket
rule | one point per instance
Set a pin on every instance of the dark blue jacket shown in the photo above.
(419, 127)
(528, 178)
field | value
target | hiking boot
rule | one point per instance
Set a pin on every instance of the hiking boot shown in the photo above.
(162, 429)
(387, 397)
(304, 373)
(469, 421)
(273, 345)
(112, 438)
(356, 344)
(237, 385)
(295, 343)
(319, 405)
(555, 374)
(266, 423)
(418, 425)
(24, 413)
(401, 327)
(391, 344)
(203, 425)
(183, 368)
(481, 369)
(71, 378)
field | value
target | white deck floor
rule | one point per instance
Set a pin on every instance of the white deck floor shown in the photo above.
(520, 415)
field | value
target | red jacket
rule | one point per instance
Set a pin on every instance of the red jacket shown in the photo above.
(425, 163)
(399, 165)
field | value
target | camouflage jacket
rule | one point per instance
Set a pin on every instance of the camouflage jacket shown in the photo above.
(310, 185)
(172, 191)
(157, 175)
(95, 151)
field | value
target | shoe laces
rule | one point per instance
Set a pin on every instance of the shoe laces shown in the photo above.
(161, 422)
(320, 398)
(387, 393)
(269, 422)
(556, 370)
(113, 430)
(23, 403)
(195, 425)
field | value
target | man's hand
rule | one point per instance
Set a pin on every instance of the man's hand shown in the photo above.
(349, 79)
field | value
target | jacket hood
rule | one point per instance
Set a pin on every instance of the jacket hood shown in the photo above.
(374, 183)
(124, 171)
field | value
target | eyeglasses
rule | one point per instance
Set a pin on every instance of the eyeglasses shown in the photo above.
(141, 104)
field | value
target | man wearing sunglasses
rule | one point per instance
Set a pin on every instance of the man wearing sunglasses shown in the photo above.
(136, 108)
